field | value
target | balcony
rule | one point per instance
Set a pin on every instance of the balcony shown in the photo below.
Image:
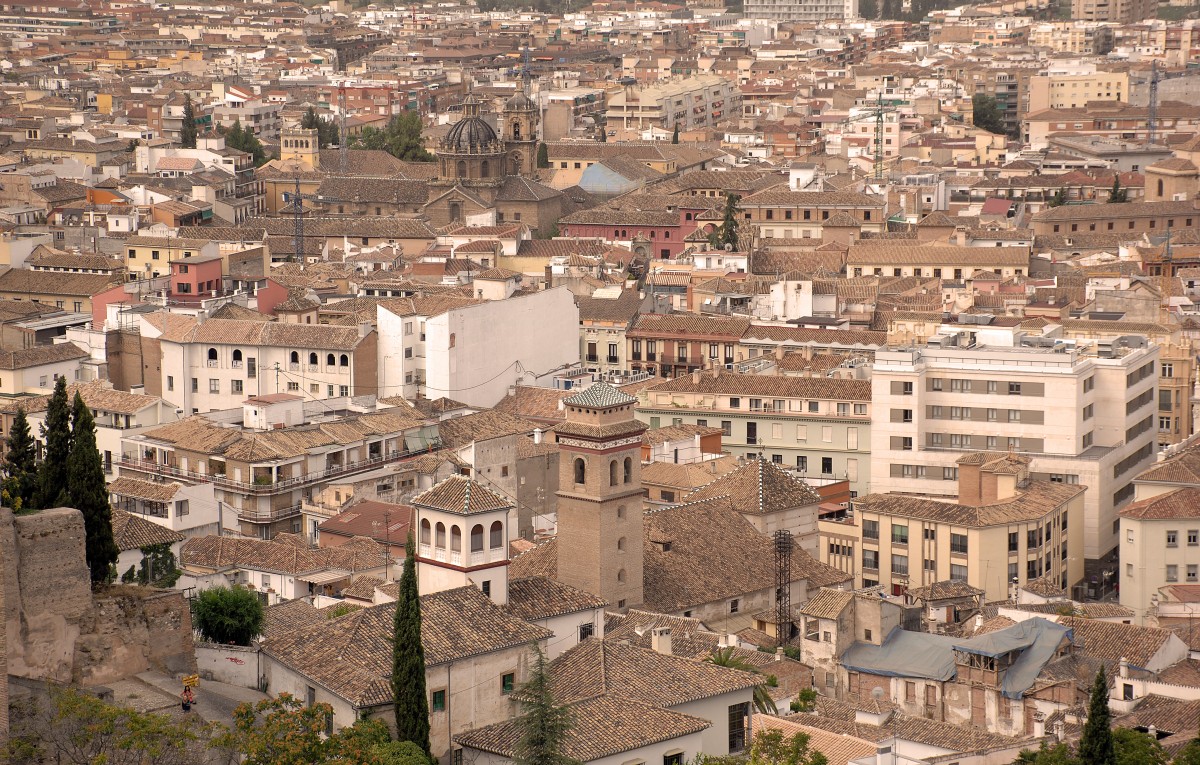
(267, 516)
(612, 360)
(212, 363)
(592, 357)
(651, 357)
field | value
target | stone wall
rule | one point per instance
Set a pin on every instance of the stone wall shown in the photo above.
(5, 554)
(58, 631)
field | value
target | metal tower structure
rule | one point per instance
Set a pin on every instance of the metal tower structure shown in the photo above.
(784, 543)
(1152, 112)
(344, 138)
(296, 200)
(879, 137)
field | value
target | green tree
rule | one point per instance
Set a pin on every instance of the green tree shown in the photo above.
(1188, 755)
(20, 465)
(805, 701)
(401, 138)
(1059, 754)
(1096, 743)
(71, 726)
(188, 132)
(725, 657)
(411, 705)
(279, 731)
(1117, 194)
(727, 233)
(1136, 748)
(87, 492)
(543, 156)
(158, 567)
(228, 615)
(675, 135)
(56, 434)
(244, 140)
(868, 9)
(327, 130)
(543, 725)
(772, 747)
(1058, 200)
(986, 114)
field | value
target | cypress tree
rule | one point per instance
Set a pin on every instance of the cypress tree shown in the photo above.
(20, 468)
(543, 156)
(1096, 743)
(675, 135)
(188, 133)
(728, 232)
(56, 433)
(408, 660)
(543, 725)
(88, 494)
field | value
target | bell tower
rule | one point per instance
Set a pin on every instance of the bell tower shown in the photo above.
(462, 538)
(520, 135)
(300, 144)
(600, 524)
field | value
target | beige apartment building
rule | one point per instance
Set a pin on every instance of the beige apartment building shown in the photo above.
(890, 257)
(816, 426)
(1072, 86)
(1081, 37)
(1116, 11)
(1082, 412)
(689, 102)
(1004, 528)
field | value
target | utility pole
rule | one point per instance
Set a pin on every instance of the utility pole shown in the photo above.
(276, 376)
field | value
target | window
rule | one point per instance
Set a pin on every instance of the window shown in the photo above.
(733, 606)
(235, 386)
(195, 385)
(827, 466)
(214, 386)
(293, 387)
(1191, 572)
(906, 389)
(675, 758)
(1014, 389)
(437, 702)
(1172, 539)
(1193, 537)
(958, 573)
(900, 565)
(870, 529)
(586, 631)
(1166, 370)
(738, 716)
(170, 383)
(930, 565)
(1172, 573)
(899, 534)
(507, 681)
(958, 543)
(726, 427)
(870, 559)
(1013, 538)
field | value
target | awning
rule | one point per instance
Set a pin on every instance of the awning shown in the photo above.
(324, 577)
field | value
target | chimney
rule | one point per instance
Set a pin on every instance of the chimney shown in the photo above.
(660, 640)
(960, 236)
(1124, 667)
(696, 377)
(970, 490)
(537, 435)
(779, 653)
(716, 371)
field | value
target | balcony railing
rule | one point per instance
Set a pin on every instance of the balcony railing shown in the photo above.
(592, 357)
(268, 486)
(272, 514)
(612, 359)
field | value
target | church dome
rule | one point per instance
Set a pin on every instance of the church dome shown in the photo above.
(519, 102)
(470, 134)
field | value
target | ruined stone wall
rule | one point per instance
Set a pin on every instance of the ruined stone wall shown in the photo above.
(58, 631)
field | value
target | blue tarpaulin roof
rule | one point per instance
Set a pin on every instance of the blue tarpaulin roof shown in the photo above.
(920, 654)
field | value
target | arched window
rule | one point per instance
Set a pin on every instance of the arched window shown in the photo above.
(343, 360)
(580, 470)
(295, 357)
(455, 210)
(212, 354)
(462, 169)
(516, 131)
(237, 357)
(485, 169)
(1160, 188)
(496, 532)
(621, 544)
(628, 470)
(440, 538)
(477, 538)
(329, 360)
(612, 473)
(312, 359)
(620, 511)
(621, 576)
(516, 163)
(426, 531)
(455, 539)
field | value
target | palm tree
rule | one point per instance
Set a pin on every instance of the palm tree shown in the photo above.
(724, 657)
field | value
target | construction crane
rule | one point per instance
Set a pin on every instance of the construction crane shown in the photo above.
(296, 198)
(1152, 112)
(877, 115)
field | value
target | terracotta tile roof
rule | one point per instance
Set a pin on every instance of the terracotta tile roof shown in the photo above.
(132, 532)
(674, 325)
(602, 667)
(178, 328)
(946, 590)
(97, 394)
(773, 197)
(139, 489)
(827, 603)
(686, 476)
(891, 253)
(481, 426)
(599, 395)
(370, 190)
(1181, 468)
(373, 226)
(363, 588)
(689, 637)
(1119, 211)
(831, 337)
(760, 487)
(601, 727)
(352, 655)
(534, 598)
(688, 431)
(26, 358)
(216, 553)
(542, 404)
(461, 495)
(1180, 503)
(732, 383)
(621, 310)
(381, 521)
(1044, 588)
(838, 749)
(292, 615)
(1112, 641)
(1040, 499)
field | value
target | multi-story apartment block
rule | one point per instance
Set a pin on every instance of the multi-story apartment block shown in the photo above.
(789, 214)
(689, 102)
(1003, 529)
(1153, 218)
(913, 258)
(1071, 85)
(1081, 37)
(205, 365)
(266, 457)
(802, 10)
(816, 426)
(1115, 11)
(676, 344)
(1083, 413)
(604, 318)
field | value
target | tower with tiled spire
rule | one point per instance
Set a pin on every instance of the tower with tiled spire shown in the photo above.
(462, 538)
(600, 525)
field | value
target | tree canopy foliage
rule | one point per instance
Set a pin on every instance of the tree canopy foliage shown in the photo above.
(230, 615)
(401, 138)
